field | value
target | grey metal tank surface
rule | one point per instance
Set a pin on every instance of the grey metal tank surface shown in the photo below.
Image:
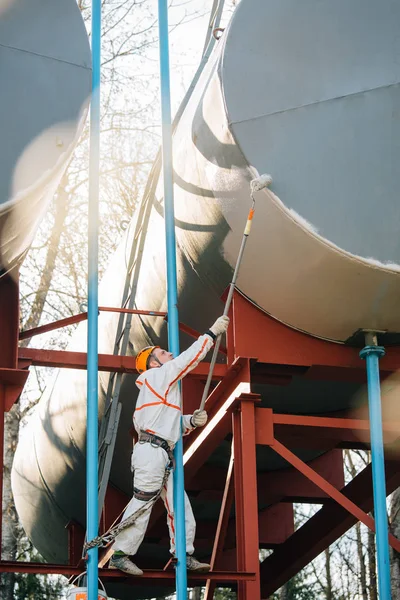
(308, 92)
(45, 69)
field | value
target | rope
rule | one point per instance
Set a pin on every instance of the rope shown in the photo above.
(104, 540)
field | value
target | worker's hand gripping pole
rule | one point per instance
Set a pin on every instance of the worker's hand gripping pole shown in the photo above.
(255, 185)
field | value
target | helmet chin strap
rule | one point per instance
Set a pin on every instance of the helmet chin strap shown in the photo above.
(156, 359)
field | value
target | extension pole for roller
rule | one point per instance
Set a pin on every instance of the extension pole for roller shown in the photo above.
(172, 287)
(93, 303)
(246, 234)
(371, 353)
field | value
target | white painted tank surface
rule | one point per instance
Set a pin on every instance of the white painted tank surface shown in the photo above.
(45, 71)
(308, 92)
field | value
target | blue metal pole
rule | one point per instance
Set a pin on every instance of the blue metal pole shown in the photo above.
(92, 346)
(172, 293)
(372, 352)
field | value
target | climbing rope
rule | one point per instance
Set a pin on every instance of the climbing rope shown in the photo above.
(104, 540)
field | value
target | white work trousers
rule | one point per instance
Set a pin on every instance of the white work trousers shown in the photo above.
(148, 464)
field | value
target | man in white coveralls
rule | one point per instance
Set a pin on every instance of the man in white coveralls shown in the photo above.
(157, 420)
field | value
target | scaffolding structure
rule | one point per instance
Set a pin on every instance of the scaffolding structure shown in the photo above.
(256, 507)
(255, 503)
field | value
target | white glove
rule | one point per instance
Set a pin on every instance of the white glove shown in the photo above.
(220, 326)
(199, 418)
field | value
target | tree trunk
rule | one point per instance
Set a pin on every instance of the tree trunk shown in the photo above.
(373, 593)
(395, 556)
(10, 521)
(361, 559)
(39, 301)
(328, 588)
(11, 532)
(284, 592)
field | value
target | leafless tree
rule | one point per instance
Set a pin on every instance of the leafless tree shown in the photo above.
(395, 556)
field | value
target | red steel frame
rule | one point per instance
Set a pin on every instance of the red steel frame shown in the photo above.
(260, 349)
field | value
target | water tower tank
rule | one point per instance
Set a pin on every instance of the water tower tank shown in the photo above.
(45, 71)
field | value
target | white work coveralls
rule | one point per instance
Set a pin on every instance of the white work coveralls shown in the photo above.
(158, 411)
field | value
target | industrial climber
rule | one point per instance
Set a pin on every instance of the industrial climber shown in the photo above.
(157, 420)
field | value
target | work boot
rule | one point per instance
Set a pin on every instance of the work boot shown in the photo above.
(123, 563)
(192, 564)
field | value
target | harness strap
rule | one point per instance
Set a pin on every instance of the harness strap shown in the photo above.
(142, 495)
(159, 442)
(148, 497)
(109, 536)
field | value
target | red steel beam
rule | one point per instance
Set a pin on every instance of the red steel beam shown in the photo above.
(107, 362)
(275, 524)
(213, 433)
(238, 371)
(76, 540)
(9, 321)
(10, 376)
(319, 432)
(222, 527)
(291, 485)
(195, 334)
(29, 333)
(114, 504)
(133, 311)
(12, 382)
(330, 422)
(275, 486)
(153, 313)
(147, 579)
(73, 320)
(319, 532)
(246, 504)
(327, 487)
(236, 374)
(292, 347)
(2, 400)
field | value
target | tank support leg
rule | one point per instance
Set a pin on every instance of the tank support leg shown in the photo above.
(246, 506)
(371, 353)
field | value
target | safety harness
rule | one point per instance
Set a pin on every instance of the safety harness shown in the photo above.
(104, 540)
(156, 442)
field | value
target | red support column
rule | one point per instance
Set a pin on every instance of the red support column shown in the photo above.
(10, 377)
(245, 473)
(76, 540)
(222, 527)
(2, 400)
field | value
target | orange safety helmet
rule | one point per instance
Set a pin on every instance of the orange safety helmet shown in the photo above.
(142, 358)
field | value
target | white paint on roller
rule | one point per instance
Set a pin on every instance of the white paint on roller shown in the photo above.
(261, 182)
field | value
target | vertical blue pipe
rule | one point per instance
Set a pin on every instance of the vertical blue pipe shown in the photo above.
(92, 345)
(172, 294)
(372, 353)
